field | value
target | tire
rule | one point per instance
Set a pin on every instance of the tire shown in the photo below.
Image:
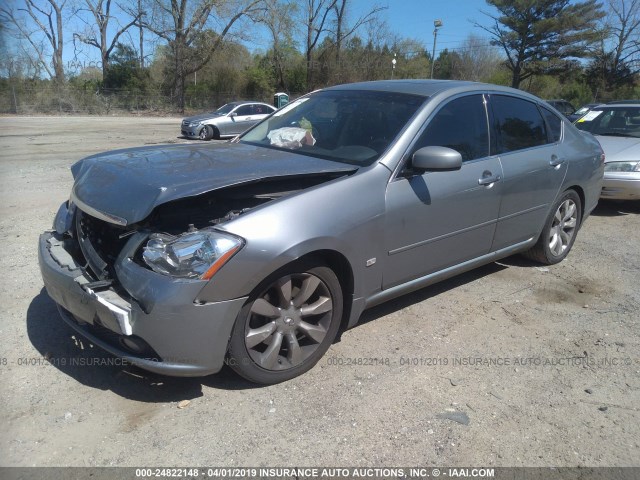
(560, 230)
(206, 133)
(288, 323)
(215, 133)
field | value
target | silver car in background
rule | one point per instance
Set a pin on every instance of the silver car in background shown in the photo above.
(617, 128)
(254, 253)
(228, 121)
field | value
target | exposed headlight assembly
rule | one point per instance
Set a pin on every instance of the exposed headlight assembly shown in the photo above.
(64, 218)
(198, 254)
(622, 167)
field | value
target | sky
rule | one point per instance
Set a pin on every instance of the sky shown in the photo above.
(414, 19)
(405, 18)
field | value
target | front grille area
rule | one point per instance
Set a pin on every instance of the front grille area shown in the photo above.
(100, 243)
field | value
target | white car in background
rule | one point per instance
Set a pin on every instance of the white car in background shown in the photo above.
(617, 128)
(228, 121)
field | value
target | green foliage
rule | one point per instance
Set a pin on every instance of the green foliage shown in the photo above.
(444, 68)
(575, 90)
(536, 34)
(124, 72)
(543, 37)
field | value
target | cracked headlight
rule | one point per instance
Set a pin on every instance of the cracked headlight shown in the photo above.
(622, 167)
(198, 254)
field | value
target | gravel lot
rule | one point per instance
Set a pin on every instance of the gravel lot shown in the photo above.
(509, 365)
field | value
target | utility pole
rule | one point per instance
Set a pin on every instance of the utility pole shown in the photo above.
(436, 24)
(141, 31)
(393, 65)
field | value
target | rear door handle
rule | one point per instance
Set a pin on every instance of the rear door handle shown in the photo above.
(489, 180)
(556, 161)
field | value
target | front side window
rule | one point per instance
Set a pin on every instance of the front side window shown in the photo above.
(518, 124)
(244, 110)
(461, 125)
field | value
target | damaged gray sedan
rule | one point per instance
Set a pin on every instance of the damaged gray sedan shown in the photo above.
(254, 253)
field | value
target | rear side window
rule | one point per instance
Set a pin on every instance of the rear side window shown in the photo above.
(261, 109)
(518, 124)
(461, 125)
(554, 125)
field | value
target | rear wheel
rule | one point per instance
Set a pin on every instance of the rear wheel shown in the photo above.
(559, 230)
(287, 324)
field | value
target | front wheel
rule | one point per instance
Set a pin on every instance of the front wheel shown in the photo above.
(560, 230)
(206, 133)
(287, 324)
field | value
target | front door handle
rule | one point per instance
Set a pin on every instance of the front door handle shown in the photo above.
(488, 180)
(556, 161)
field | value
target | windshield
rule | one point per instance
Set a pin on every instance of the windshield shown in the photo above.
(347, 126)
(612, 121)
(223, 110)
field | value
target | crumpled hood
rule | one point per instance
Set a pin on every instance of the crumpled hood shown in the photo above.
(620, 149)
(126, 185)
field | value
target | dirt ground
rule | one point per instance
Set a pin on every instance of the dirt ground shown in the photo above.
(509, 365)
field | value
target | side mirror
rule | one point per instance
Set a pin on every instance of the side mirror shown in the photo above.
(436, 158)
(233, 114)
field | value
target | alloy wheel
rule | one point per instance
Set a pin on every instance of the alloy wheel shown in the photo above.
(563, 227)
(289, 321)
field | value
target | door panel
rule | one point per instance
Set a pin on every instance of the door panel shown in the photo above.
(533, 164)
(531, 183)
(241, 121)
(439, 219)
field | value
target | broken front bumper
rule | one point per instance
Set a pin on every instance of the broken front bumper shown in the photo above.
(159, 328)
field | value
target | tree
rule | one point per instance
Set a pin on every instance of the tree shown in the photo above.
(124, 71)
(344, 31)
(617, 58)
(279, 18)
(478, 60)
(96, 33)
(47, 32)
(446, 64)
(315, 19)
(536, 34)
(181, 22)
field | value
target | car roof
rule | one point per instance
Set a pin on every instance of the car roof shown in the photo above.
(429, 88)
(626, 102)
(245, 102)
(614, 106)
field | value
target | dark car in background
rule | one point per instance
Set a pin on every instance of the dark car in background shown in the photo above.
(254, 253)
(563, 106)
(228, 121)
